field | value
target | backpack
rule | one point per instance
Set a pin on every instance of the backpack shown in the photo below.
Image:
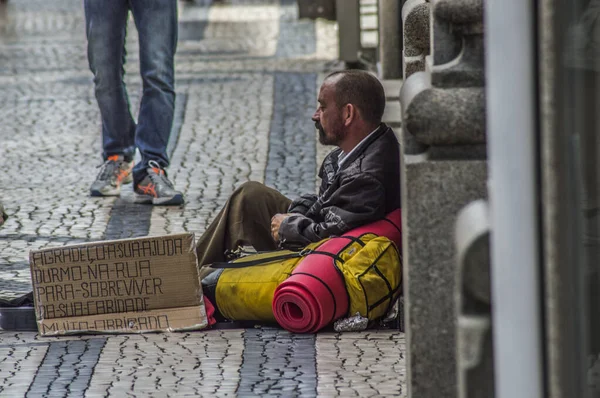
(373, 277)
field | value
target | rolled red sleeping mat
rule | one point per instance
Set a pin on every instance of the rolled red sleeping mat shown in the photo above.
(315, 294)
(390, 227)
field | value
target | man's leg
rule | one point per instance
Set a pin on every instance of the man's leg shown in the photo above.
(244, 220)
(106, 23)
(156, 22)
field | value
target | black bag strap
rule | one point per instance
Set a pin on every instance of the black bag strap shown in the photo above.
(266, 260)
(258, 261)
(395, 226)
(391, 292)
(333, 256)
(354, 239)
(389, 296)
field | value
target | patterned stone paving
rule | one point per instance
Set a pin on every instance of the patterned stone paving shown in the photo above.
(247, 76)
(281, 363)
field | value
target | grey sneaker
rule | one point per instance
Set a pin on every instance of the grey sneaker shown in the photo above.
(156, 188)
(114, 172)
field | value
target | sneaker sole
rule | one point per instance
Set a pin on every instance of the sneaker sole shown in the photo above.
(151, 200)
(98, 193)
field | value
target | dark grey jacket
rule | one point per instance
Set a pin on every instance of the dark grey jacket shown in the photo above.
(365, 189)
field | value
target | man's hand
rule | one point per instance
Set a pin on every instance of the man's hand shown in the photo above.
(275, 223)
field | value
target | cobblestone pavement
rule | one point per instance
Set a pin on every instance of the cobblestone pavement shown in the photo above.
(247, 77)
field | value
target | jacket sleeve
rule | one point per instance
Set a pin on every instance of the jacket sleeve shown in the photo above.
(357, 201)
(302, 204)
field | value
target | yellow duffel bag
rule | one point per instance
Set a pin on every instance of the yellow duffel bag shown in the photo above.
(245, 288)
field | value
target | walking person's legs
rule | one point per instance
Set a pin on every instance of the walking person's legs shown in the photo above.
(156, 22)
(244, 220)
(106, 23)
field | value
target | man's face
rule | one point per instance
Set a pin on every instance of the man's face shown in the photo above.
(328, 117)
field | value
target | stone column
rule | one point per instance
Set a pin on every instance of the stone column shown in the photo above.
(415, 25)
(444, 168)
(390, 39)
(348, 18)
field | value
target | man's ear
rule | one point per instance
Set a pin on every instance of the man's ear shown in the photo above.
(350, 114)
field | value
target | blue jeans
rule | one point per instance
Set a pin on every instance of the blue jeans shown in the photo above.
(156, 22)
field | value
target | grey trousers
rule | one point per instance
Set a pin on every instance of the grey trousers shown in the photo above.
(244, 220)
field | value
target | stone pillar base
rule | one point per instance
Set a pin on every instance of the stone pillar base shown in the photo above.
(434, 191)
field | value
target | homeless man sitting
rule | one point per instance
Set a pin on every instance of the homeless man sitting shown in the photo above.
(360, 179)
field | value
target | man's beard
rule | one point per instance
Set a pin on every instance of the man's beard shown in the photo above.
(334, 139)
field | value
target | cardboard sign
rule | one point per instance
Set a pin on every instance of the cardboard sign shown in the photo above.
(124, 286)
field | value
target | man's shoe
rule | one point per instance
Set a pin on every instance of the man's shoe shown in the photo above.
(156, 188)
(114, 172)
